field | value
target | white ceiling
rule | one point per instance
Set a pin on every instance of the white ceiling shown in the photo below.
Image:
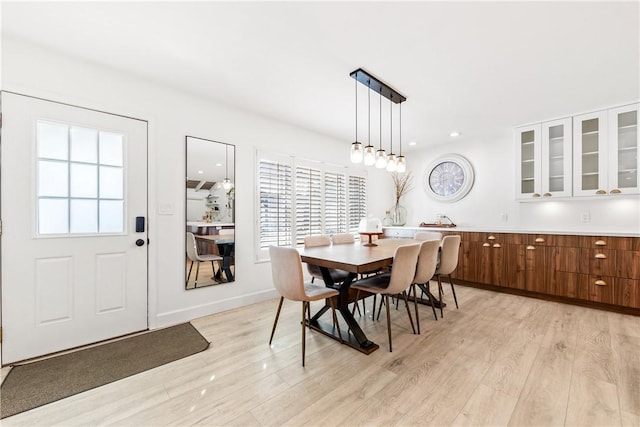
(476, 67)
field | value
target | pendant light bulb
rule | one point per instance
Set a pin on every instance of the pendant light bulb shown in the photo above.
(401, 164)
(369, 155)
(356, 152)
(381, 159)
(226, 184)
(391, 163)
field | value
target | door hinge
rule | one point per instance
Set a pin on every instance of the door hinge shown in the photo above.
(0, 120)
(0, 227)
(0, 334)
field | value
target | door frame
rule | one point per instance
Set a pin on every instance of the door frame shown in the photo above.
(151, 184)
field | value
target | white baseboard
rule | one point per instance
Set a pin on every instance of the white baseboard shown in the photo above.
(190, 313)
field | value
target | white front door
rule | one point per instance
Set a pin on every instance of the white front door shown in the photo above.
(74, 258)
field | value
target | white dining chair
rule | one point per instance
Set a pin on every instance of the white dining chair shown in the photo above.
(337, 276)
(286, 271)
(425, 269)
(194, 256)
(448, 264)
(397, 282)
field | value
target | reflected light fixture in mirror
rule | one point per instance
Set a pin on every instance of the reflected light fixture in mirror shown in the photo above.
(210, 213)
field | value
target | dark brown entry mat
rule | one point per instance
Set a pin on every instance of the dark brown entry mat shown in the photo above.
(38, 383)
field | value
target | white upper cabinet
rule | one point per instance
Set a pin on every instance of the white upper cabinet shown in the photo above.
(528, 155)
(556, 158)
(606, 152)
(623, 150)
(590, 154)
(543, 158)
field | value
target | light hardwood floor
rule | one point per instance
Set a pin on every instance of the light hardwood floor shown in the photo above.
(498, 360)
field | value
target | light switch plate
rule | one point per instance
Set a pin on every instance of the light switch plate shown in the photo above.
(165, 208)
(585, 217)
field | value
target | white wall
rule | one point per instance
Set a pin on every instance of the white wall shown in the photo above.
(31, 70)
(493, 193)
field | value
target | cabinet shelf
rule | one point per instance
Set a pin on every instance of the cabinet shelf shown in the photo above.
(556, 157)
(627, 149)
(528, 161)
(527, 179)
(593, 132)
(527, 143)
(628, 126)
(590, 153)
(589, 173)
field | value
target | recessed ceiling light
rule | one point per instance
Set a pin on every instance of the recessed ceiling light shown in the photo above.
(454, 134)
(218, 164)
(200, 172)
(412, 143)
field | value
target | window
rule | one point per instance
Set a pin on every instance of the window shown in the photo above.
(308, 202)
(80, 174)
(335, 203)
(298, 198)
(357, 202)
(276, 204)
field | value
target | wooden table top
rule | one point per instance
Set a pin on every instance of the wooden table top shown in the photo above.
(355, 257)
(217, 238)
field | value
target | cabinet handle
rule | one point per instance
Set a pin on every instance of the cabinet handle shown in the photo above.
(601, 192)
(491, 238)
(600, 282)
(535, 195)
(539, 240)
(600, 243)
(615, 191)
(497, 245)
(486, 245)
(601, 256)
(531, 248)
(547, 195)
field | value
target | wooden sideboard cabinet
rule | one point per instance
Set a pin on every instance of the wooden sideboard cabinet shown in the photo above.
(601, 271)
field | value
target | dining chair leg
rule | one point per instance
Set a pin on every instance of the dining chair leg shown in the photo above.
(453, 291)
(440, 294)
(189, 275)
(380, 306)
(431, 301)
(304, 312)
(386, 297)
(406, 305)
(415, 305)
(275, 322)
(373, 310)
(335, 318)
(197, 272)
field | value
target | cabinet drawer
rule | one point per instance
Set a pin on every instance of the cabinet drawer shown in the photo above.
(628, 264)
(601, 288)
(627, 292)
(600, 262)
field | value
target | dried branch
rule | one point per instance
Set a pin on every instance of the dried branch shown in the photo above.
(402, 184)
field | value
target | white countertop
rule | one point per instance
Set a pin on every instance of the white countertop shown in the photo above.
(513, 230)
(209, 224)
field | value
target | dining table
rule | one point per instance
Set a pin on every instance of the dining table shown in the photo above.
(226, 249)
(356, 259)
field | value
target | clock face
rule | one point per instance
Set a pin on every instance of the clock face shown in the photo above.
(446, 178)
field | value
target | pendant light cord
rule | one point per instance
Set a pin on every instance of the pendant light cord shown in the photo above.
(391, 124)
(356, 87)
(369, 113)
(400, 128)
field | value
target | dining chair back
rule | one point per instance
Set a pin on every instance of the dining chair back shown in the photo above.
(286, 272)
(317, 240)
(226, 232)
(448, 264)
(343, 238)
(195, 257)
(426, 268)
(427, 235)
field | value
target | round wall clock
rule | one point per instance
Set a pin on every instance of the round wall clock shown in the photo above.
(448, 178)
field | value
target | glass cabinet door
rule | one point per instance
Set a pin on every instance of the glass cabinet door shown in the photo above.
(623, 150)
(556, 158)
(590, 154)
(528, 153)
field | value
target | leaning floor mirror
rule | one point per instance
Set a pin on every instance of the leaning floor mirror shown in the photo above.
(210, 213)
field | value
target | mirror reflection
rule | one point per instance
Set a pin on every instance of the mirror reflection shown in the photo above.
(210, 213)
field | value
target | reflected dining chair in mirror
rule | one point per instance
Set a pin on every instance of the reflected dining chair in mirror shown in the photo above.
(195, 257)
(210, 208)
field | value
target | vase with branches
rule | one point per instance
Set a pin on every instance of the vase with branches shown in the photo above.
(401, 185)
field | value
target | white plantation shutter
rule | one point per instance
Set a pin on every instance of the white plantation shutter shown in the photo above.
(357, 203)
(276, 204)
(308, 202)
(335, 202)
(298, 198)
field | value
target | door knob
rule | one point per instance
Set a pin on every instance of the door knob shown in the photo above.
(139, 242)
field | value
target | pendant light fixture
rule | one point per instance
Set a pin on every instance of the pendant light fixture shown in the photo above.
(379, 158)
(226, 182)
(401, 165)
(391, 158)
(369, 150)
(356, 147)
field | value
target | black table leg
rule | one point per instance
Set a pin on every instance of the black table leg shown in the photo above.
(356, 339)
